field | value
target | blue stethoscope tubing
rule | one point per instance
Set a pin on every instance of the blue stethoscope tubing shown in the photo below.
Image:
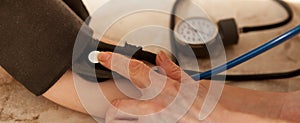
(249, 55)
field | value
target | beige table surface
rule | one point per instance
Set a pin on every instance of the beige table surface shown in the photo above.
(19, 105)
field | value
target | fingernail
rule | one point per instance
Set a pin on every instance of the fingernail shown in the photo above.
(104, 56)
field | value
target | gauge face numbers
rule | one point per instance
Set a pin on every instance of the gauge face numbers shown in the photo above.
(196, 30)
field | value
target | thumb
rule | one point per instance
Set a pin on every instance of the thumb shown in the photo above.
(129, 111)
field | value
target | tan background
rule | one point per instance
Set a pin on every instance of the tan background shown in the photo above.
(19, 105)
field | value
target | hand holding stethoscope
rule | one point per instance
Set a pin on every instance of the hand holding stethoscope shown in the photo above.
(179, 99)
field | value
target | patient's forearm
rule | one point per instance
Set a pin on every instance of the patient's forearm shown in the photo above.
(261, 104)
(65, 94)
(291, 109)
(265, 104)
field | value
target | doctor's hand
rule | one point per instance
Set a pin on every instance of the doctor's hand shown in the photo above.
(169, 95)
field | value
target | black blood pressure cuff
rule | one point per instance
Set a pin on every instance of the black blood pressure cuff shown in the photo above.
(36, 41)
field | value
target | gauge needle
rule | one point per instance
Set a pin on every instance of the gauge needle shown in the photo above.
(197, 31)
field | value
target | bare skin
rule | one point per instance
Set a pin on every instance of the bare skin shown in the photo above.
(235, 105)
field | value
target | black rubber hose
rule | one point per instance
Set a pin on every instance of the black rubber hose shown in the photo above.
(274, 25)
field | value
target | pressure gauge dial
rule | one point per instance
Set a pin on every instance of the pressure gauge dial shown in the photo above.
(197, 32)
